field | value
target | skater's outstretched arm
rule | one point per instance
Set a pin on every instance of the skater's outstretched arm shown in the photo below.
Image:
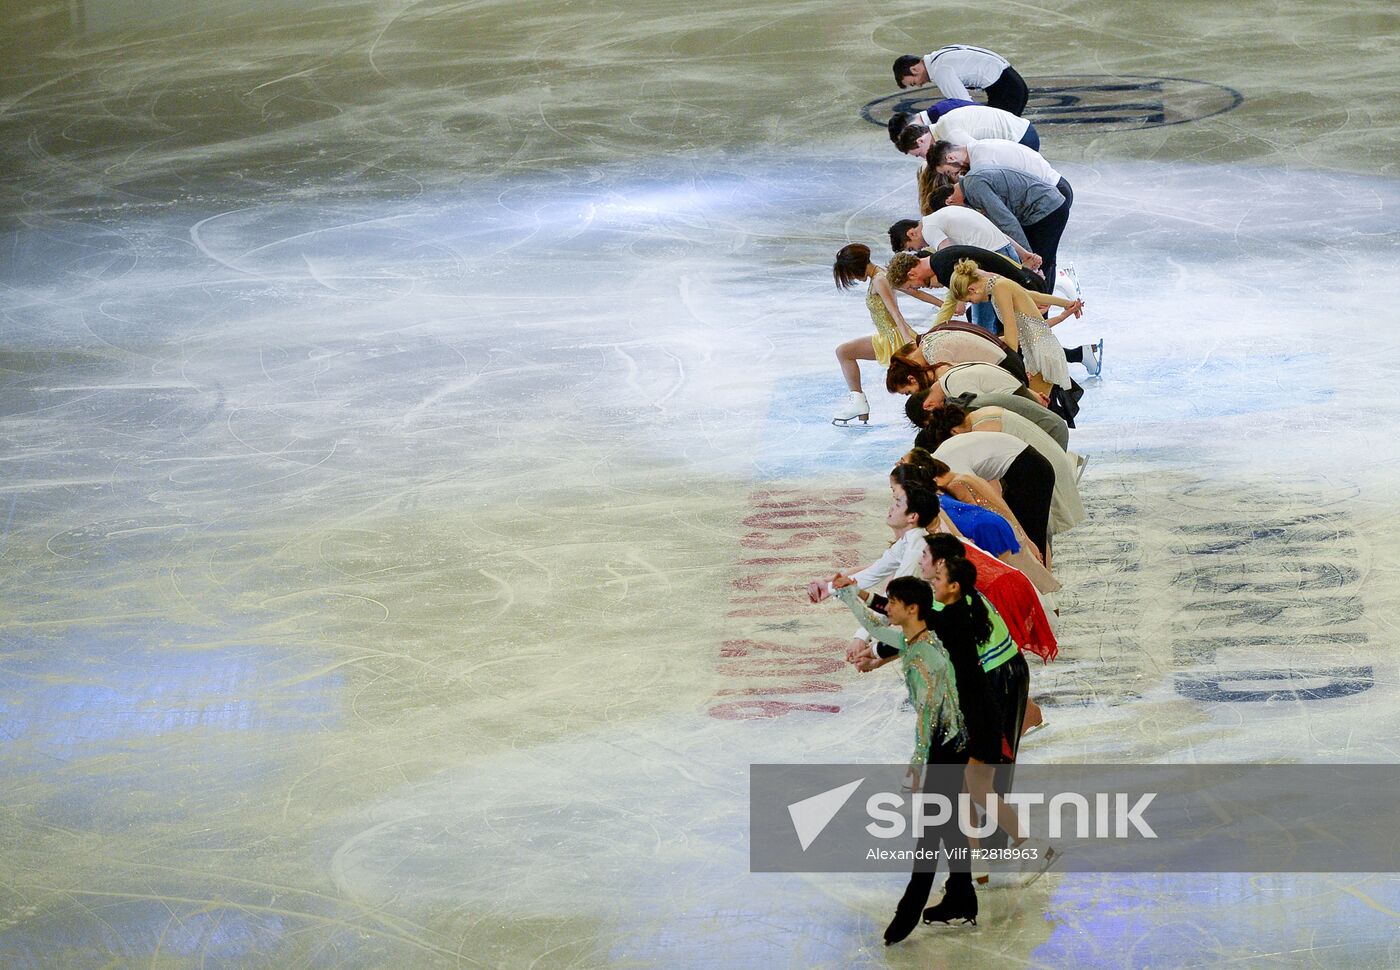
(1075, 309)
(873, 622)
(921, 295)
(1028, 259)
(1072, 307)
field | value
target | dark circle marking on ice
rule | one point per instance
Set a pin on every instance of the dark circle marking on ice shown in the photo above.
(1098, 102)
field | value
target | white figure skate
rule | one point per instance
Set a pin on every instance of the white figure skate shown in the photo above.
(1067, 287)
(1067, 283)
(855, 406)
(1093, 358)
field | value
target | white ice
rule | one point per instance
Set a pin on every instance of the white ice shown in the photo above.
(385, 393)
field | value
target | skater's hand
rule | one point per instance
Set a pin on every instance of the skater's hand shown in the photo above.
(1075, 309)
(1032, 261)
(841, 580)
(869, 662)
(1044, 401)
(859, 653)
(816, 591)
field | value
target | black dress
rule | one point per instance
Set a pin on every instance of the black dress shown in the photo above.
(980, 714)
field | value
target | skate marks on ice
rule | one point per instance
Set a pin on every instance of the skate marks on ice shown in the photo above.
(1273, 610)
(187, 774)
(1194, 609)
(1285, 920)
(1162, 568)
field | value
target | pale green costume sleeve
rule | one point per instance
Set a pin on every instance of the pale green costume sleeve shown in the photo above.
(873, 623)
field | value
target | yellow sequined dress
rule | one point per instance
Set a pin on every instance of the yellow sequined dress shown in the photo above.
(886, 338)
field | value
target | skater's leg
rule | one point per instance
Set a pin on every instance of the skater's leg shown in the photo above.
(849, 354)
(1035, 717)
(943, 777)
(1026, 487)
(1044, 237)
(981, 782)
(959, 900)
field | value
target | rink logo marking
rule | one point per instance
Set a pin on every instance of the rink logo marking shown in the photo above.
(1286, 571)
(1098, 102)
(783, 657)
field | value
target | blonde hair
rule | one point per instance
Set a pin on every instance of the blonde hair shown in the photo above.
(926, 183)
(929, 182)
(897, 272)
(965, 273)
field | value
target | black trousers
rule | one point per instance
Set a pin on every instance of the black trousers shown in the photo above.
(1010, 685)
(1026, 487)
(948, 783)
(1044, 237)
(1008, 92)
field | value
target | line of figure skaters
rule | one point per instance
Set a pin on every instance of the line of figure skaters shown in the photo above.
(968, 581)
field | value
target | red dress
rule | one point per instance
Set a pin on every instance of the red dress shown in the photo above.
(1016, 599)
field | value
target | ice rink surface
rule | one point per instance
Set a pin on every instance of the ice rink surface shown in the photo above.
(406, 406)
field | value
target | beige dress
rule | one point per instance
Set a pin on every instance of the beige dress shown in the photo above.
(1066, 507)
(1038, 346)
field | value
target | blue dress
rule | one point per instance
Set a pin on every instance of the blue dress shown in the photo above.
(984, 527)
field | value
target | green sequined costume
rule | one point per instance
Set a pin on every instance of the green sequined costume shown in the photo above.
(928, 674)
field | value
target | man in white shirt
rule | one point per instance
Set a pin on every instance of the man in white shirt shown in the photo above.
(955, 161)
(939, 230)
(909, 516)
(962, 125)
(1025, 209)
(958, 67)
(928, 117)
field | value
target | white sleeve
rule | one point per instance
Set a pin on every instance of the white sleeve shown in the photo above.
(948, 81)
(951, 132)
(934, 232)
(907, 565)
(876, 573)
(881, 569)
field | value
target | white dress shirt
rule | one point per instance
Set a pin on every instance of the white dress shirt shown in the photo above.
(959, 67)
(997, 152)
(900, 559)
(965, 227)
(979, 121)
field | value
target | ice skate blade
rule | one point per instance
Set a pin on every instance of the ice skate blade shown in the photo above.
(955, 921)
(1043, 865)
(846, 422)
